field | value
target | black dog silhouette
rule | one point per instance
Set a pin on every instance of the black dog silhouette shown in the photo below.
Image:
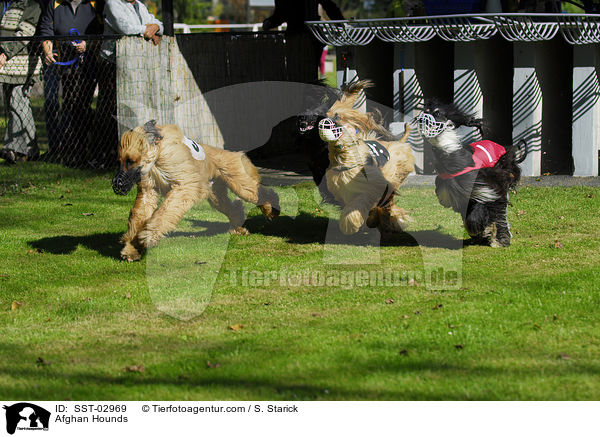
(13, 416)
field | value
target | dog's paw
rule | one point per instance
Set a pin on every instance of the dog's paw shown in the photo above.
(239, 230)
(269, 211)
(350, 223)
(130, 253)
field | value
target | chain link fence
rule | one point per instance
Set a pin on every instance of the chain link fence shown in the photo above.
(68, 112)
(62, 112)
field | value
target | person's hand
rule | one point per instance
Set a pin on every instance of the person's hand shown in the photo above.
(151, 30)
(155, 39)
(2, 59)
(80, 47)
(48, 55)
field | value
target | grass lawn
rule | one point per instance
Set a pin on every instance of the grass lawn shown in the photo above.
(77, 323)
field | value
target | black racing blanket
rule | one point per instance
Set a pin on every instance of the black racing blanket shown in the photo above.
(379, 154)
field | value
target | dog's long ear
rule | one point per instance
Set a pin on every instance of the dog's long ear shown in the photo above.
(152, 133)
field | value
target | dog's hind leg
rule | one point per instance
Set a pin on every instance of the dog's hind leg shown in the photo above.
(234, 210)
(243, 179)
(165, 219)
(145, 204)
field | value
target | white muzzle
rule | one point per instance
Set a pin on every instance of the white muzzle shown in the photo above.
(329, 131)
(429, 127)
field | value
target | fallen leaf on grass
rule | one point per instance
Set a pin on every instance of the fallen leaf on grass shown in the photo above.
(199, 262)
(316, 315)
(521, 212)
(564, 356)
(403, 352)
(418, 313)
(213, 365)
(412, 282)
(405, 316)
(236, 327)
(68, 204)
(87, 214)
(35, 251)
(536, 326)
(389, 301)
(127, 295)
(438, 306)
(555, 317)
(15, 305)
(135, 368)
(558, 244)
(459, 346)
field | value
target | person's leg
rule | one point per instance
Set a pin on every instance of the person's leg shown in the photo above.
(19, 135)
(51, 107)
(106, 138)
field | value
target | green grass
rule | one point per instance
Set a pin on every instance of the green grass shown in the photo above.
(523, 324)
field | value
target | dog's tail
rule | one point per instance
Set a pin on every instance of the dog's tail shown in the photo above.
(521, 151)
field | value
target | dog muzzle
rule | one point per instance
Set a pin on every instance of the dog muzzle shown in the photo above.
(329, 131)
(429, 127)
(124, 181)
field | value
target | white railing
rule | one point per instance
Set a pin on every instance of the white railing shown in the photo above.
(252, 27)
(575, 28)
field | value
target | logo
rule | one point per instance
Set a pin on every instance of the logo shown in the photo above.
(25, 416)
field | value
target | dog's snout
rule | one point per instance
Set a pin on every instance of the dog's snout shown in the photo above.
(124, 181)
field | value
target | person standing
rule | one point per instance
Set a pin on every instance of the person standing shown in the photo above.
(121, 17)
(19, 68)
(77, 70)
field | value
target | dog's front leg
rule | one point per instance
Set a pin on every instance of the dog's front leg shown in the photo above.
(145, 204)
(356, 212)
(165, 219)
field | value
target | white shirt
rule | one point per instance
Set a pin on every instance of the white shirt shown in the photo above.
(120, 18)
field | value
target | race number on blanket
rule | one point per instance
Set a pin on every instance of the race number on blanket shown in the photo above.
(195, 148)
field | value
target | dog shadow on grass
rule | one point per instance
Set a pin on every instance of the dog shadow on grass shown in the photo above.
(106, 244)
(307, 229)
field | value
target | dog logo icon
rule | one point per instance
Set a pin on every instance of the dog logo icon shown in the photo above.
(26, 416)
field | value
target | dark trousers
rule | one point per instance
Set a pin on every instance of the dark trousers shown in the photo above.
(105, 143)
(78, 85)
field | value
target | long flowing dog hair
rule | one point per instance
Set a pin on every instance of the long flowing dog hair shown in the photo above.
(364, 187)
(157, 159)
(480, 196)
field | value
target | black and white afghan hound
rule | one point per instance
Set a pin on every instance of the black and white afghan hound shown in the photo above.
(473, 179)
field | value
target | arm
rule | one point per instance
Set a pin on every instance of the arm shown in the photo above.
(120, 20)
(148, 18)
(46, 24)
(46, 28)
(26, 27)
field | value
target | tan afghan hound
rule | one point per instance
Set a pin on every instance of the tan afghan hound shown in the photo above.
(162, 161)
(367, 165)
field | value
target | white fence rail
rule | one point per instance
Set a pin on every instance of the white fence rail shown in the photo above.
(576, 29)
